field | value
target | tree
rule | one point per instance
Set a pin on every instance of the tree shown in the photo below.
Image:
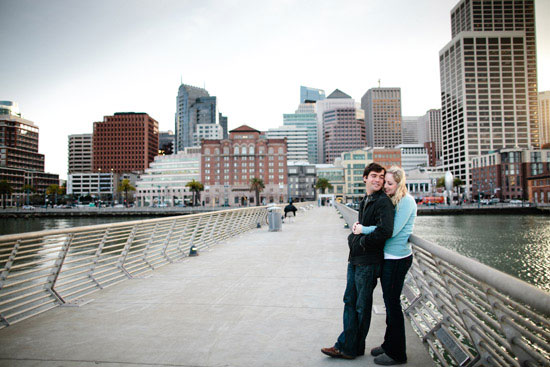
(458, 182)
(257, 185)
(54, 190)
(28, 189)
(323, 184)
(440, 182)
(195, 187)
(125, 186)
(5, 189)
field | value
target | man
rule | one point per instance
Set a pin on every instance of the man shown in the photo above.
(364, 265)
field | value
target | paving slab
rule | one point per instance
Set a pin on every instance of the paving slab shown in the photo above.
(260, 299)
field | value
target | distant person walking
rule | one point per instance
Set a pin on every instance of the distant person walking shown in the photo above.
(364, 264)
(397, 261)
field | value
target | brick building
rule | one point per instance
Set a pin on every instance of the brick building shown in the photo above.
(126, 142)
(228, 165)
(386, 157)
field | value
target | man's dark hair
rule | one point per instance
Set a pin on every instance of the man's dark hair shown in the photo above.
(373, 167)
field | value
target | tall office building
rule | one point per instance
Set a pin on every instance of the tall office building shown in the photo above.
(413, 130)
(223, 123)
(167, 142)
(382, 108)
(296, 141)
(343, 130)
(488, 82)
(20, 162)
(126, 142)
(80, 153)
(431, 123)
(187, 113)
(544, 117)
(305, 117)
(335, 100)
(311, 94)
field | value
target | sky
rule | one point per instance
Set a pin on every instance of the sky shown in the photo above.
(69, 63)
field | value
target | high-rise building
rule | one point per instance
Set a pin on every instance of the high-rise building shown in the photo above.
(431, 123)
(167, 142)
(206, 132)
(80, 153)
(544, 118)
(186, 114)
(126, 142)
(413, 130)
(311, 94)
(296, 141)
(305, 117)
(382, 108)
(223, 123)
(342, 125)
(228, 165)
(488, 82)
(20, 162)
(386, 157)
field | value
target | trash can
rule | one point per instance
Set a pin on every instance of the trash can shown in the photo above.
(274, 219)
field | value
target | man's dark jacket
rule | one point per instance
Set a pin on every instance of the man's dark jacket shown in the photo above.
(374, 210)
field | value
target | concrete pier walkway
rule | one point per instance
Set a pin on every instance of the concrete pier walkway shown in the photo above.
(260, 299)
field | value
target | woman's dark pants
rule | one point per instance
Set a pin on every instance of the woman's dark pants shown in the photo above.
(393, 276)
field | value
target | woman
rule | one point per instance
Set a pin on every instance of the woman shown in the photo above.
(397, 261)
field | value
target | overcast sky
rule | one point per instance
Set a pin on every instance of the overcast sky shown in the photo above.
(68, 63)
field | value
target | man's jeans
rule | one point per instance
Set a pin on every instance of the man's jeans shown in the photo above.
(357, 308)
(393, 276)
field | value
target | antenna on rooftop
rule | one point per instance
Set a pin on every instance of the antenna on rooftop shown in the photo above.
(378, 82)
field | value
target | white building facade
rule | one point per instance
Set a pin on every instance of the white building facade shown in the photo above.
(296, 141)
(163, 183)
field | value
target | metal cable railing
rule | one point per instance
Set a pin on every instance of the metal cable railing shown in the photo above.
(41, 270)
(469, 314)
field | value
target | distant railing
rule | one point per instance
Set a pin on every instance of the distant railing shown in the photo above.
(41, 270)
(469, 314)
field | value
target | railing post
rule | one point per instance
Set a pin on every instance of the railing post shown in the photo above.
(146, 249)
(6, 272)
(167, 241)
(124, 253)
(96, 258)
(180, 239)
(54, 275)
(192, 239)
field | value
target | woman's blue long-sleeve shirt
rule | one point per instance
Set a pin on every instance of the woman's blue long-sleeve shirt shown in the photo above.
(398, 245)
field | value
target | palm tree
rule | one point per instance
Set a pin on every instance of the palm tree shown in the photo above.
(195, 187)
(5, 189)
(323, 184)
(257, 185)
(125, 186)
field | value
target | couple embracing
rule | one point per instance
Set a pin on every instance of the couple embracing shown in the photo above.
(378, 248)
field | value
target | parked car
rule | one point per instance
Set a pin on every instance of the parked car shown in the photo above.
(485, 202)
(28, 207)
(516, 202)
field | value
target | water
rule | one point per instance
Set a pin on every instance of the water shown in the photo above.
(515, 244)
(23, 225)
(518, 245)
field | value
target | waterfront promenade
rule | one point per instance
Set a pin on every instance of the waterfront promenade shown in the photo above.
(259, 299)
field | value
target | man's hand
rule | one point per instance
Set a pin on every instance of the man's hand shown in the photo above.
(357, 228)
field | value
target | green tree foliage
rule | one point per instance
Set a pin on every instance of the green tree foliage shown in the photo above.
(125, 186)
(195, 187)
(257, 185)
(323, 184)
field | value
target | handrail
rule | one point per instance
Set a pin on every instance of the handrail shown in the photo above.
(468, 313)
(45, 269)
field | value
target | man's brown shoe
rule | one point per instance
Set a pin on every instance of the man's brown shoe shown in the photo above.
(335, 353)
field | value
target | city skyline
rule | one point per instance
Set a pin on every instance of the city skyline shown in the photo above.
(70, 64)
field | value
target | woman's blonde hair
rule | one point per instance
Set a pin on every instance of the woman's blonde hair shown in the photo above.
(399, 177)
